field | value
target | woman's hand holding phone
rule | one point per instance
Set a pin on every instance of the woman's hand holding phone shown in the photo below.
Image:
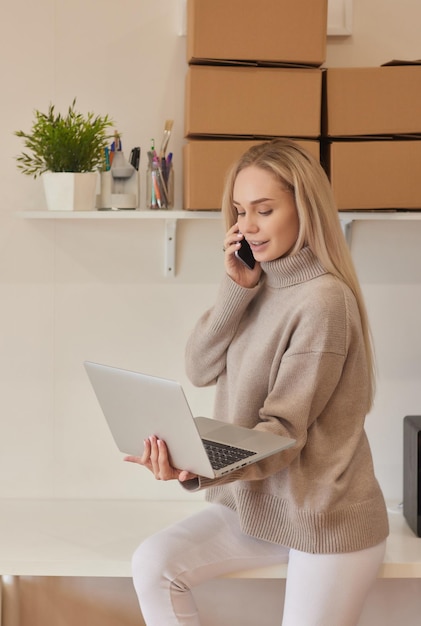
(239, 261)
(245, 254)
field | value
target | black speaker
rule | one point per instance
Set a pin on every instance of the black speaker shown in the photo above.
(412, 472)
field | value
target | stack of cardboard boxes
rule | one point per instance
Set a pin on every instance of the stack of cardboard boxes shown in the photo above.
(372, 125)
(254, 73)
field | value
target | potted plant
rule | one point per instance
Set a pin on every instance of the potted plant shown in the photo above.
(66, 151)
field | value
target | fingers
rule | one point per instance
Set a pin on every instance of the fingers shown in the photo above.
(156, 459)
(160, 461)
(153, 455)
(184, 475)
(144, 459)
(233, 266)
(232, 240)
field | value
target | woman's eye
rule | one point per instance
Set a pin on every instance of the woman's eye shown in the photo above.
(266, 212)
(240, 213)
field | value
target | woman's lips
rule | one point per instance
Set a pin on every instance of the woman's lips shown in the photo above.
(257, 246)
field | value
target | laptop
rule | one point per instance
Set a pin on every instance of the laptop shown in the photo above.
(138, 405)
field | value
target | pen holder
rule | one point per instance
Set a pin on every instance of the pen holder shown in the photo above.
(160, 185)
(118, 193)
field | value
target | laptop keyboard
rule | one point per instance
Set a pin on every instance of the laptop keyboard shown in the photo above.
(220, 454)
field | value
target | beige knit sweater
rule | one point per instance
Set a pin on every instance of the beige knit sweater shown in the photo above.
(288, 356)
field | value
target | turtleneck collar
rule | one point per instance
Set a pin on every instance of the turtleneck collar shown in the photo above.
(293, 269)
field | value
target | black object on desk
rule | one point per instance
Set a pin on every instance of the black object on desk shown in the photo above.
(412, 472)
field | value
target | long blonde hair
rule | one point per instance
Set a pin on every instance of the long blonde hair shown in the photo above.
(319, 225)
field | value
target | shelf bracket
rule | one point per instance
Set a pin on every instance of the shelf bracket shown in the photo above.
(170, 247)
(346, 225)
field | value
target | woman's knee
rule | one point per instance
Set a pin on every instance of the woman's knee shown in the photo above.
(149, 564)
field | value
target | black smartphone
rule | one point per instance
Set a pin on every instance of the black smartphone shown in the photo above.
(245, 255)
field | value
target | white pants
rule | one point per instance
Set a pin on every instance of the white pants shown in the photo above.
(321, 590)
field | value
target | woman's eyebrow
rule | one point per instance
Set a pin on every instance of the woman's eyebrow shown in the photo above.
(254, 202)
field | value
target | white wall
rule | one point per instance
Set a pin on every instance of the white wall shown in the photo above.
(382, 30)
(387, 254)
(71, 290)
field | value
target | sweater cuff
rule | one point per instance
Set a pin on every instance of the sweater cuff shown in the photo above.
(232, 301)
(190, 485)
(197, 484)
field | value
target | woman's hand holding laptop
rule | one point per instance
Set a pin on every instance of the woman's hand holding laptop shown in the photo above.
(156, 459)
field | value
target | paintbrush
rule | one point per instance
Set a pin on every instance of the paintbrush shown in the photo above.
(166, 138)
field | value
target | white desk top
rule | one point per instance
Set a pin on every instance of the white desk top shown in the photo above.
(80, 537)
(98, 537)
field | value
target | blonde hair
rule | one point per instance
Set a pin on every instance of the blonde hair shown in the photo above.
(319, 225)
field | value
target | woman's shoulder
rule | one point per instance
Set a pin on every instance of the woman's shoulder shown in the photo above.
(328, 302)
(328, 291)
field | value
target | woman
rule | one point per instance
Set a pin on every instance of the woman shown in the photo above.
(287, 344)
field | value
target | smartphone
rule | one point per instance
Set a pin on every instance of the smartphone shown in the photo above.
(245, 255)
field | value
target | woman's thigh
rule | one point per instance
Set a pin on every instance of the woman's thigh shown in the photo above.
(200, 548)
(329, 589)
(204, 546)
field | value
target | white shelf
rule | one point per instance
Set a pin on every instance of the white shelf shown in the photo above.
(346, 216)
(169, 216)
(172, 216)
(351, 216)
(120, 215)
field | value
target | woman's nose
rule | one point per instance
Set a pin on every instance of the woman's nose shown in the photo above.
(249, 224)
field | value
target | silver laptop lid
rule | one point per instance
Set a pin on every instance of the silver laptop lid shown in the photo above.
(138, 405)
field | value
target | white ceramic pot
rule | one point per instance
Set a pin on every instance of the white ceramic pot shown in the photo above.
(69, 191)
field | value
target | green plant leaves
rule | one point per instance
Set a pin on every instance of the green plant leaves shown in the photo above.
(70, 143)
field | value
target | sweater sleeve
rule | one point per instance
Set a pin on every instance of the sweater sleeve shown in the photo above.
(308, 377)
(303, 387)
(213, 333)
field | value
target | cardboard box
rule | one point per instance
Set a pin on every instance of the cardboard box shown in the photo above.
(253, 101)
(285, 31)
(372, 101)
(376, 174)
(206, 164)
